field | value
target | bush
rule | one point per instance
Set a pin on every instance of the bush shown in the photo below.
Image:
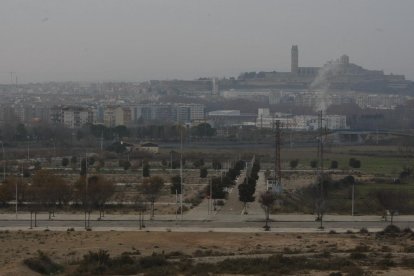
(334, 164)
(153, 261)
(314, 164)
(43, 264)
(294, 163)
(203, 172)
(354, 163)
(198, 163)
(392, 229)
(65, 162)
(357, 255)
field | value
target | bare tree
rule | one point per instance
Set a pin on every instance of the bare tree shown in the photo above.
(8, 190)
(267, 201)
(52, 190)
(393, 202)
(35, 201)
(151, 189)
(140, 207)
(100, 191)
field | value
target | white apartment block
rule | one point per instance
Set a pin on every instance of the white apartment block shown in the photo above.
(76, 117)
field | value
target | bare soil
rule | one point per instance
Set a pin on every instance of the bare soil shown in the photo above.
(68, 247)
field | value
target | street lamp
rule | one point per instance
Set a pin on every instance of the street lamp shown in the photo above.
(4, 162)
(181, 172)
(353, 197)
(28, 148)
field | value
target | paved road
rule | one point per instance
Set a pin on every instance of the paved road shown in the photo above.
(208, 225)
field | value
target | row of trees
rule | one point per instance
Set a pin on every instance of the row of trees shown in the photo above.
(220, 184)
(353, 163)
(48, 191)
(248, 187)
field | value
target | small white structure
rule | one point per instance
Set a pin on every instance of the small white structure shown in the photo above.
(150, 147)
(274, 186)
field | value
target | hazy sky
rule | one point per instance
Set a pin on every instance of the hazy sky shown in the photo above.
(125, 40)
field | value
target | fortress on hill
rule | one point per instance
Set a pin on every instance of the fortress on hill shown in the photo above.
(338, 74)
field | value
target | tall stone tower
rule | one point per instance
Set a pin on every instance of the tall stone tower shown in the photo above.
(294, 59)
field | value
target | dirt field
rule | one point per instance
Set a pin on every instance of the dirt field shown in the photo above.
(67, 248)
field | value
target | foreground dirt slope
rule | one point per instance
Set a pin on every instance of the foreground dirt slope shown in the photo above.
(68, 247)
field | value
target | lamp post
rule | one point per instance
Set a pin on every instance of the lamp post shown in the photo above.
(28, 148)
(353, 197)
(181, 172)
(4, 162)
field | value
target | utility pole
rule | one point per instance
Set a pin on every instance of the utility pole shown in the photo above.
(4, 161)
(353, 197)
(101, 141)
(181, 172)
(17, 197)
(11, 77)
(28, 148)
(321, 200)
(278, 170)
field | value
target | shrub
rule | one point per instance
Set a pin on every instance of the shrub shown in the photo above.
(392, 229)
(408, 230)
(354, 163)
(314, 163)
(357, 255)
(65, 162)
(294, 163)
(385, 263)
(43, 264)
(203, 172)
(334, 164)
(153, 261)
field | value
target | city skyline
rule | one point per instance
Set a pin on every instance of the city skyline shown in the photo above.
(131, 41)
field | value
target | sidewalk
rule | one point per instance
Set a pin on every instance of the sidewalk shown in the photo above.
(193, 229)
(201, 214)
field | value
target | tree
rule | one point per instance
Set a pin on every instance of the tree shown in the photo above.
(140, 206)
(267, 200)
(84, 167)
(246, 192)
(65, 162)
(354, 163)
(198, 163)
(334, 164)
(82, 194)
(146, 170)
(8, 190)
(294, 163)
(34, 197)
(176, 184)
(100, 191)
(121, 131)
(52, 190)
(203, 172)
(217, 188)
(73, 161)
(314, 163)
(393, 202)
(125, 164)
(216, 164)
(203, 130)
(151, 188)
(21, 132)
